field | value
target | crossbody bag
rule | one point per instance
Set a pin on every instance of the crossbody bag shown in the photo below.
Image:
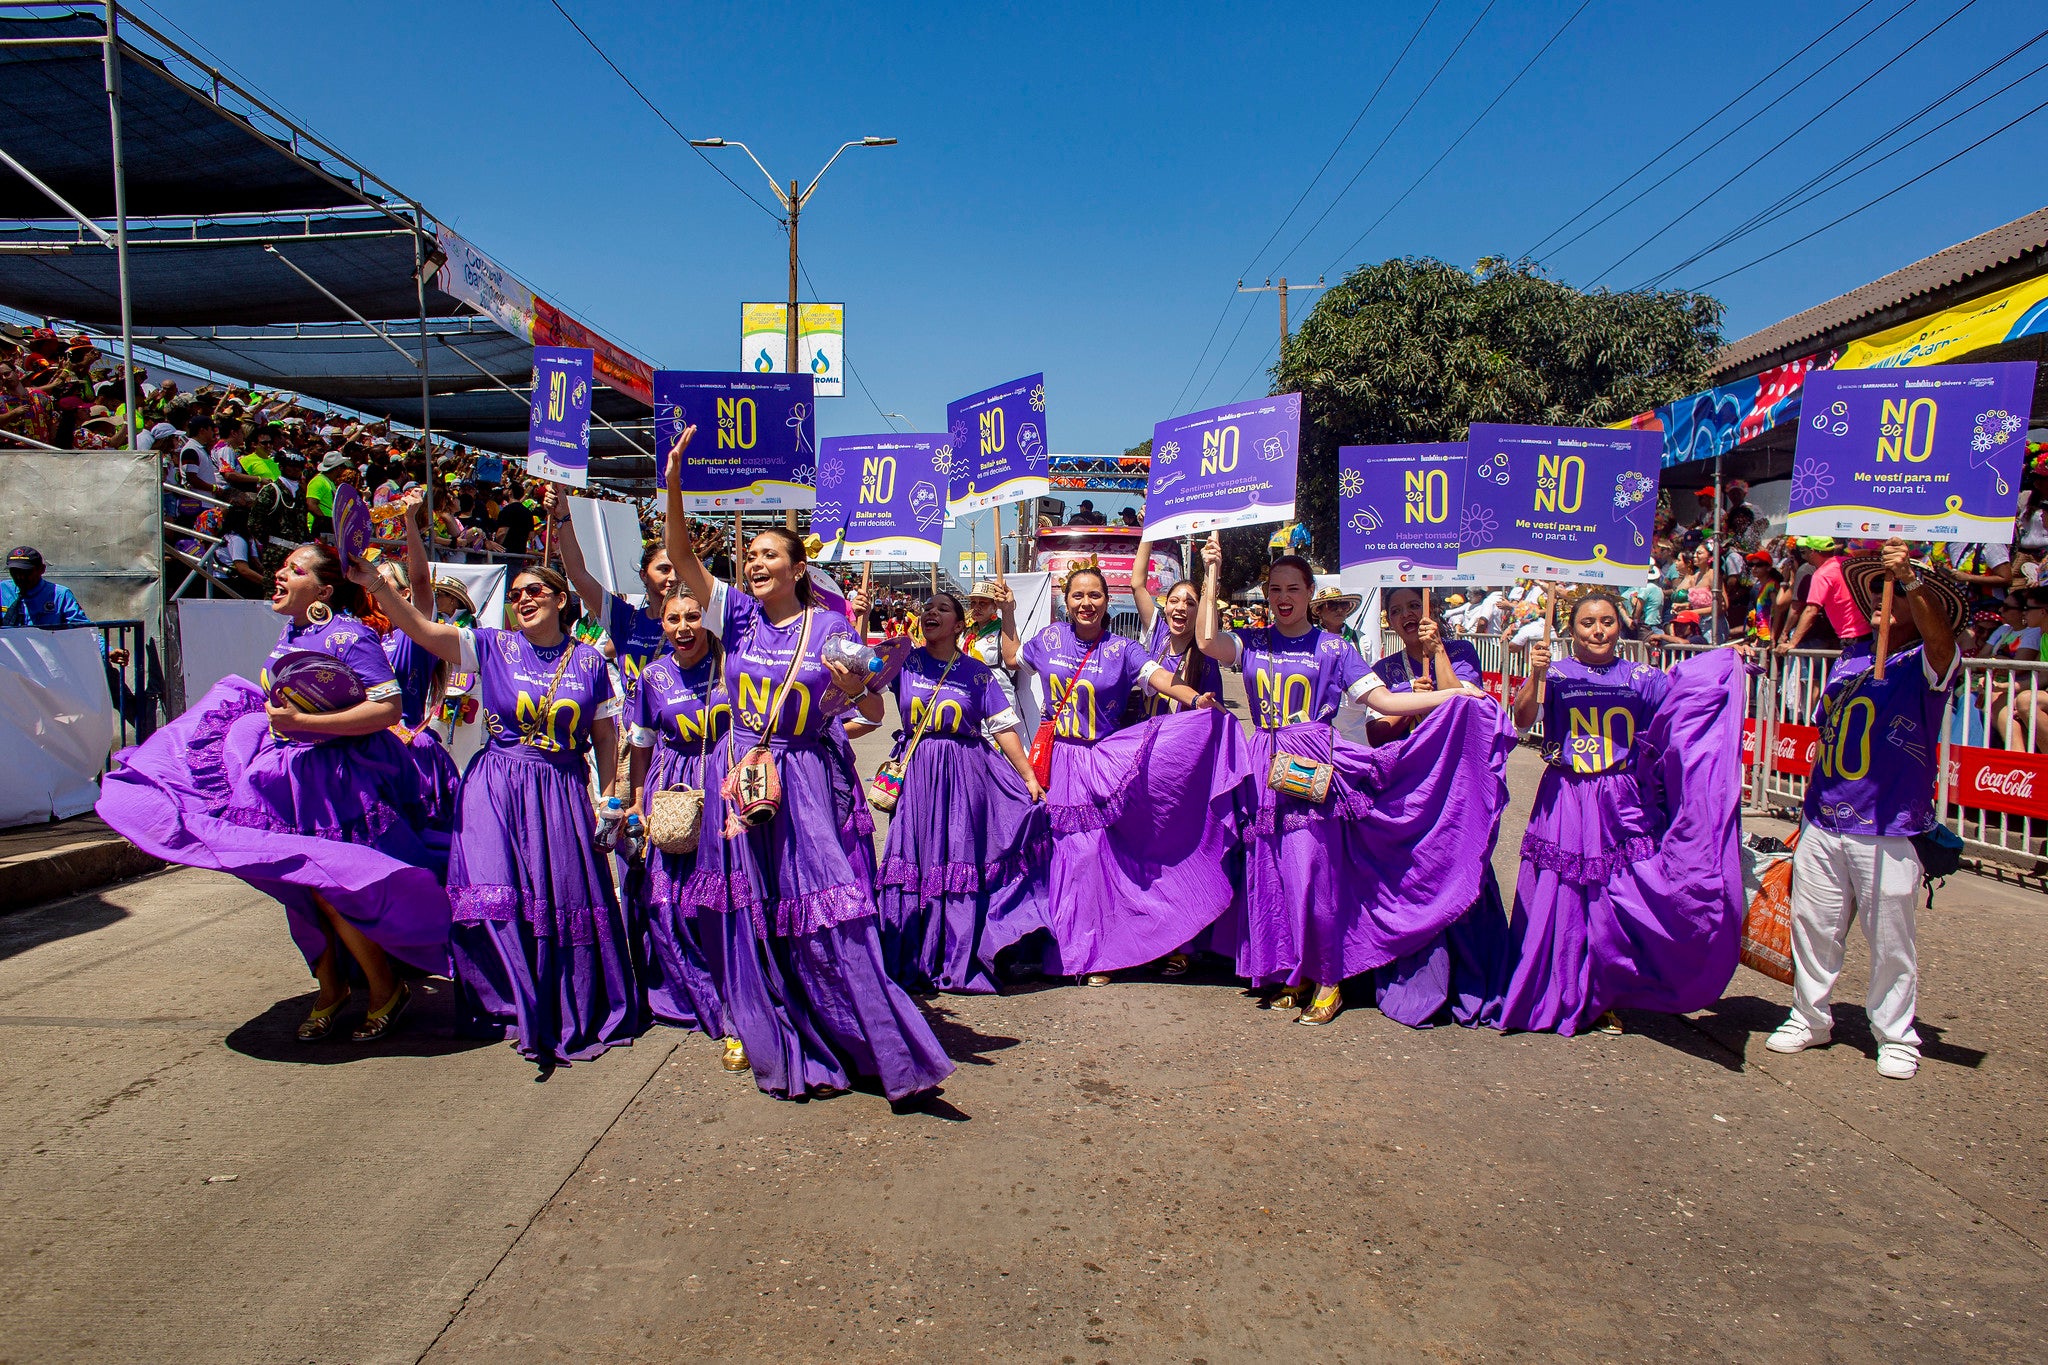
(887, 788)
(753, 788)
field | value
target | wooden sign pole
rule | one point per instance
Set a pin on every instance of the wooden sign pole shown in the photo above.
(1884, 631)
(998, 510)
(1549, 623)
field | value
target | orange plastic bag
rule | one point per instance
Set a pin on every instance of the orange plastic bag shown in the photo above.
(1767, 926)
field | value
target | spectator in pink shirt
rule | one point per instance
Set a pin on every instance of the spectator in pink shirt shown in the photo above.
(1828, 593)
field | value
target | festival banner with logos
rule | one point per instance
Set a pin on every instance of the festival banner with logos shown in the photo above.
(820, 342)
(558, 431)
(756, 442)
(1399, 510)
(1929, 453)
(1573, 504)
(880, 497)
(1224, 467)
(999, 451)
(469, 275)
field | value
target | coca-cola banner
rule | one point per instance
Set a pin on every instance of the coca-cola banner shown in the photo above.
(1998, 779)
(1796, 748)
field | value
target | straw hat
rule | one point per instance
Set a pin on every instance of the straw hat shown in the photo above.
(1335, 597)
(983, 590)
(1865, 576)
(455, 590)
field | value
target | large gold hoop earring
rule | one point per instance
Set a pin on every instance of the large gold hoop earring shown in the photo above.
(319, 613)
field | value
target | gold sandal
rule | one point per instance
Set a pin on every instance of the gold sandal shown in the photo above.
(735, 1058)
(320, 1022)
(1321, 1010)
(1609, 1022)
(384, 1018)
(1176, 964)
(1096, 979)
(1286, 998)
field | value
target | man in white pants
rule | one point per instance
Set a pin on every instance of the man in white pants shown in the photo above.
(1873, 789)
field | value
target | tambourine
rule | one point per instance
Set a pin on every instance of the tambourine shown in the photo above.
(315, 683)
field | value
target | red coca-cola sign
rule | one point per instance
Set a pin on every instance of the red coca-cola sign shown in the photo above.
(1795, 749)
(1998, 779)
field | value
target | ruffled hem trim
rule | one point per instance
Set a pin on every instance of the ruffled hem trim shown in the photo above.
(1290, 814)
(575, 925)
(1081, 819)
(962, 879)
(378, 820)
(861, 822)
(789, 917)
(1586, 869)
(206, 759)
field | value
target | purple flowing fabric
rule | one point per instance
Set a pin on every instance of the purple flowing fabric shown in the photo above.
(340, 818)
(809, 995)
(1386, 864)
(1464, 969)
(1143, 824)
(437, 779)
(539, 943)
(674, 970)
(965, 841)
(1630, 894)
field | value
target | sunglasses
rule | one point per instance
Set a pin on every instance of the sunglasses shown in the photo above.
(532, 590)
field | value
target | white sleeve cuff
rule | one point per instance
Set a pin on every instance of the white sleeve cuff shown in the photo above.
(383, 691)
(1005, 719)
(1363, 688)
(714, 610)
(640, 737)
(468, 661)
(1947, 679)
(609, 710)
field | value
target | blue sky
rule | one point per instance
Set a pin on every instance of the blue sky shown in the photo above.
(1078, 188)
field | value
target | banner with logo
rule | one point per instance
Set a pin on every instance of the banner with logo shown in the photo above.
(558, 431)
(999, 451)
(1223, 467)
(1929, 453)
(820, 342)
(1573, 504)
(1399, 510)
(756, 442)
(880, 497)
(1989, 320)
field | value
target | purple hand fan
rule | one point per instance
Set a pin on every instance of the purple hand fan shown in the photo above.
(314, 682)
(352, 529)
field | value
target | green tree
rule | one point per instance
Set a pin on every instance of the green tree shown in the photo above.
(1416, 350)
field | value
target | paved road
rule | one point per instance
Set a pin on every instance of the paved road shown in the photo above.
(1151, 1172)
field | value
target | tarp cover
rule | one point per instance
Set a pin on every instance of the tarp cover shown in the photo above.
(347, 362)
(184, 153)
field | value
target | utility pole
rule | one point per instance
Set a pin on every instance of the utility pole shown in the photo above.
(1281, 289)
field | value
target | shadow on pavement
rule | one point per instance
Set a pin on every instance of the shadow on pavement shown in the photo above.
(426, 1031)
(963, 1044)
(34, 927)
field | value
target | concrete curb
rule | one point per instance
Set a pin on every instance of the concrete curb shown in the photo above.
(65, 863)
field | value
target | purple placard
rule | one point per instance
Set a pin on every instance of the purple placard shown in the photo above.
(756, 443)
(1567, 503)
(1932, 453)
(315, 682)
(1399, 509)
(999, 450)
(881, 497)
(558, 432)
(1227, 466)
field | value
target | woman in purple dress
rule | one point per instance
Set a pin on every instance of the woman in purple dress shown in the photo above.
(319, 810)
(421, 680)
(538, 940)
(1144, 820)
(1169, 625)
(1630, 891)
(1385, 861)
(1465, 967)
(965, 835)
(636, 632)
(790, 873)
(677, 718)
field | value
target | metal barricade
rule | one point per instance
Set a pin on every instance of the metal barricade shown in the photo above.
(1991, 764)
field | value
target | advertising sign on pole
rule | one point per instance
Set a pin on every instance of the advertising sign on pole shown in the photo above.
(1224, 467)
(880, 497)
(756, 442)
(1399, 513)
(820, 342)
(558, 431)
(1576, 504)
(1923, 454)
(999, 445)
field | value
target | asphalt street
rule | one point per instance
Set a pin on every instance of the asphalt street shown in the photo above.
(1156, 1171)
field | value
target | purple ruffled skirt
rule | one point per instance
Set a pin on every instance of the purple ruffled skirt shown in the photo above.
(675, 976)
(1143, 825)
(337, 819)
(1630, 893)
(794, 944)
(539, 943)
(1463, 969)
(1385, 865)
(964, 841)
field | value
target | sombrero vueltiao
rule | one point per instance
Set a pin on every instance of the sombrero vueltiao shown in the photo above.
(1864, 575)
(1326, 597)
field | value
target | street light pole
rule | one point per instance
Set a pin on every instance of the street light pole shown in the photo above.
(792, 201)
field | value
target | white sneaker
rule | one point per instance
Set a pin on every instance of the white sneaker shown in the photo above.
(1794, 1036)
(1898, 1061)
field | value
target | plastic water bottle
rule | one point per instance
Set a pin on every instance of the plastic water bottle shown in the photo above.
(612, 815)
(635, 835)
(848, 652)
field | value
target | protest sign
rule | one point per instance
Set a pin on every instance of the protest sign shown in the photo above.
(1923, 454)
(756, 443)
(1222, 467)
(1399, 510)
(999, 448)
(1569, 503)
(558, 431)
(880, 497)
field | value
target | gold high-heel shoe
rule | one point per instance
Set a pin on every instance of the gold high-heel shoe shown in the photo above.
(320, 1022)
(384, 1018)
(735, 1058)
(1323, 1008)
